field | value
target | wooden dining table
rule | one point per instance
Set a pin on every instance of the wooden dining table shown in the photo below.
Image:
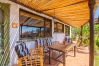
(63, 48)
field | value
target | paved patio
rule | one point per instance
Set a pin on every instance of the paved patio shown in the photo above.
(81, 59)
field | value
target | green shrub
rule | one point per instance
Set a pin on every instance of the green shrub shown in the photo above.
(85, 42)
(97, 42)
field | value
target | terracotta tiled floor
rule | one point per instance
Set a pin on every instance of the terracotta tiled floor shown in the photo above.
(81, 59)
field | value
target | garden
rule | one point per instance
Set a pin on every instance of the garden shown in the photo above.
(85, 39)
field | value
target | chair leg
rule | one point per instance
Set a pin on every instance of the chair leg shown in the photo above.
(74, 51)
(64, 60)
(49, 57)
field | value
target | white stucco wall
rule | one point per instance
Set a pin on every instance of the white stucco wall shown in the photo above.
(14, 32)
(30, 44)
(58, 37)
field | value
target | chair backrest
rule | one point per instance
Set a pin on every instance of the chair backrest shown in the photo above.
(39, 42)
(21, 50)
(34, 57)
(68, 39)
(37, 55)
(49, 41)
(43, 42)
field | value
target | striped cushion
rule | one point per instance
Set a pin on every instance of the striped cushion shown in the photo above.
(49, 41)
(21, 50)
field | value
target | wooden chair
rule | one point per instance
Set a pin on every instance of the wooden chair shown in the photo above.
(71, 45)
(21, 49)
(33, 58)
(37, 54)
(44, 43)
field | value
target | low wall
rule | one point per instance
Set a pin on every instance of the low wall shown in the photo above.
(58, 37)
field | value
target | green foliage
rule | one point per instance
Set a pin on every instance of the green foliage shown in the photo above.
(96, 60)
(97, 42)
(86, 34)
(85, 31)
(75, 33)
(85, 42)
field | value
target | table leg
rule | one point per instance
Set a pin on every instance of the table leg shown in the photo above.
(74, 51)
(64, 61)
(49, 57)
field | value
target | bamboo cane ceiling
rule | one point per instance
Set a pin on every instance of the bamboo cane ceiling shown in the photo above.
(72, 12)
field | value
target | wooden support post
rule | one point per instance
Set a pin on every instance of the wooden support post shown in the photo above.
(56, 27)
(21, 30)
(91, 22)
(52, 26)
(81, 35)
(40, 32)
(64, 29)
(44, 28)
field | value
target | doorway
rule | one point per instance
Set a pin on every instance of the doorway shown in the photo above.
(4, 34)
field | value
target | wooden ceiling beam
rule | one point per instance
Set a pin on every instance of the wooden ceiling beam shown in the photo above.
(25, 20)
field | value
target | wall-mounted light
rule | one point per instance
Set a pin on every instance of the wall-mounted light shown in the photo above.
(15, 25)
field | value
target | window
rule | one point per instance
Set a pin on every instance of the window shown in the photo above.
(58, 27)
(48, 28)
(67, 30)
(33, 26)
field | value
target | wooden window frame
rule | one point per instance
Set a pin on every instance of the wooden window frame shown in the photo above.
(56, 29)
(67, 30)
(44, 25)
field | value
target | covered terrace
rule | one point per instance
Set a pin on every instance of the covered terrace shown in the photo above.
(75, 13)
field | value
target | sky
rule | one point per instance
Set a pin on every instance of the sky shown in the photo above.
(27, 29)
(97, 12)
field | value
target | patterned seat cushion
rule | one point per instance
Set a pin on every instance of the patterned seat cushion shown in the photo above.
(21, 50)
